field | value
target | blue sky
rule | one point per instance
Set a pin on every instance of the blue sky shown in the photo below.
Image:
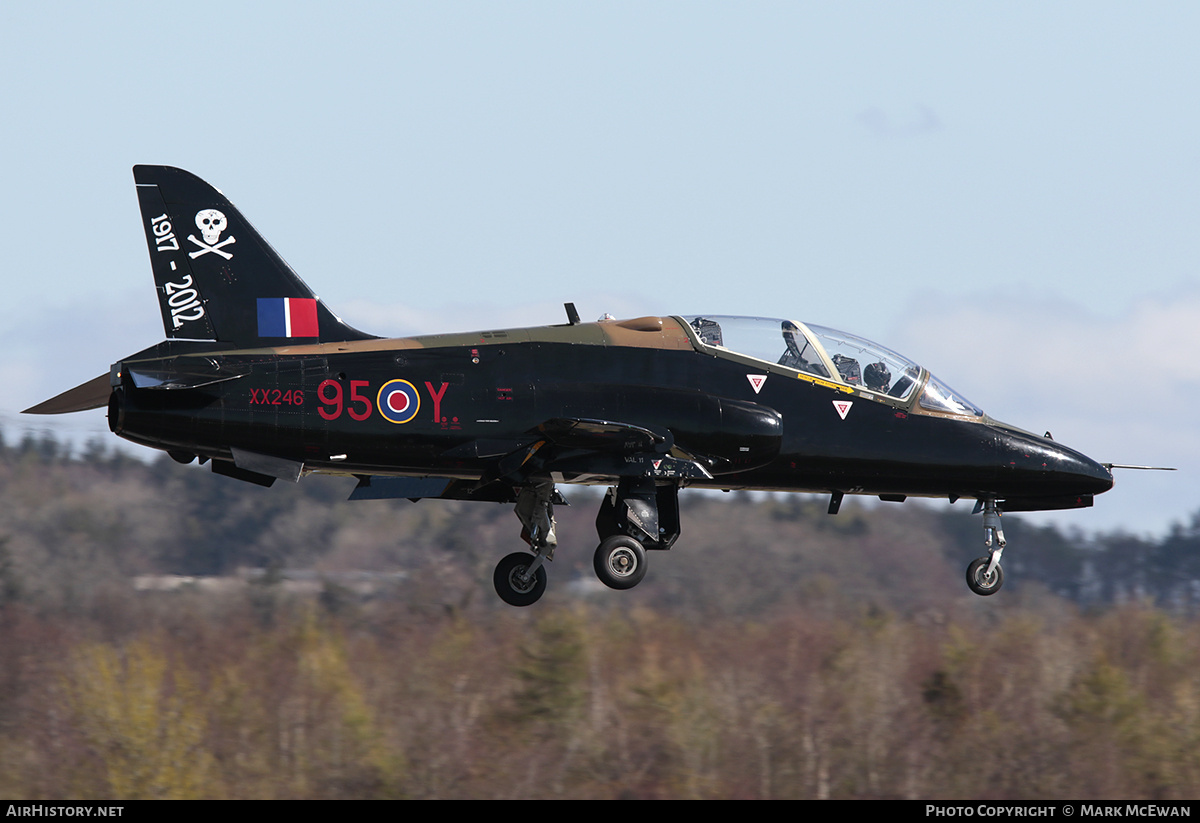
(1005, 192)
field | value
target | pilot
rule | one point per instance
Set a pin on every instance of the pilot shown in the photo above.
(877, 377)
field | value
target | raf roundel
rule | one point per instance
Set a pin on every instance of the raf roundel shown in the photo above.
(399, 401)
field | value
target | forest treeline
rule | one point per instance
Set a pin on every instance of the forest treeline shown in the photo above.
(77, 524)
(358, 650)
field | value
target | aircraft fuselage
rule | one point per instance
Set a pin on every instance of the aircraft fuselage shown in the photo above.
(451, 405)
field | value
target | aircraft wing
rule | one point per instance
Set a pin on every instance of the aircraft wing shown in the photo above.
(445, 488)
(603, 435)
(577, 447)
(91, 395)
(572, 446)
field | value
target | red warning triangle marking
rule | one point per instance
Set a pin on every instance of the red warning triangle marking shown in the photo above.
(756, 381)
(842, 407)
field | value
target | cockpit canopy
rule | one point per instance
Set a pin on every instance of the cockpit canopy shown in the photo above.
(831, 355)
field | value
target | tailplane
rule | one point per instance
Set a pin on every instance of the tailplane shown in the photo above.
(216, 277)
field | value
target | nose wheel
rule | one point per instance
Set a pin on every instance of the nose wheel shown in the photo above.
(982, 581)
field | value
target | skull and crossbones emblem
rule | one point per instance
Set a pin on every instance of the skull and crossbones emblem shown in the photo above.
(211, 223)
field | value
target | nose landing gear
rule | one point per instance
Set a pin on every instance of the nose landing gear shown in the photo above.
(984, 575)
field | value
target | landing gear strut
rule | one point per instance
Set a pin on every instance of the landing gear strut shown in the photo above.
(636, 515)
(984, 575)
(520, 578)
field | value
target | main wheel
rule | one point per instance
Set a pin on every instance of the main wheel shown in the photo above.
(620, 562)
(980, 581)
(508, 583)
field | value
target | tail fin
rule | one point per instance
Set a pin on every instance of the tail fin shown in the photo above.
(217, 279)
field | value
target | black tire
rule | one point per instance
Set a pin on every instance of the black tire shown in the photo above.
(620, 562)
(510, 588)
(982, 583)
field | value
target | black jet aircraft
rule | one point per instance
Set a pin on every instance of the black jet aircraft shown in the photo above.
(261, 380)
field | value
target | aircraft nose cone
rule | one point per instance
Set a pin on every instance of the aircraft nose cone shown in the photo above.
(1090, 476)
(1038, 466)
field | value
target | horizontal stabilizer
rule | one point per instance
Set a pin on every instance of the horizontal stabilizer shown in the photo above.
(91, 395)
(170, 374)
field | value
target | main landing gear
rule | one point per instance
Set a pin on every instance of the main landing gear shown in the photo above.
(520, 579)
(620, 562)
(637, 515)
(984, 575)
